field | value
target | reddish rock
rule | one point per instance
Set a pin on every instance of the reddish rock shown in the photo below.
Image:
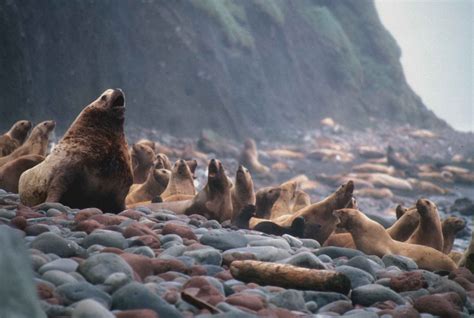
(142, 265)
(187, 242)
(171, 296)
(277, 313)
(165, 265)
(466, 284)
(444, 305)
(85, 214)
(88, 226)
(114, 250)
(400, 312)
(224, 275)
(108, 219)
(168, 276)
(462, 272)
(237, 256)
(199, 287)
(137, 229)
(408, 281)
(196, 270)
(44, 291)
(151, 241)
(239, 288)
(132, 214)
(19, 222)
(27, 212)
(137, 313)
(181, 230)
(251, 302)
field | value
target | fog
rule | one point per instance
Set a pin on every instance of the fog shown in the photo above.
(436, 38)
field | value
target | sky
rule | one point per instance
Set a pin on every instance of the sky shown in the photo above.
(436, 38)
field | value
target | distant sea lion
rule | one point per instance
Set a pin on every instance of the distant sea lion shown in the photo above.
(429, 231)
(451, 226)
(10, 173)
(396, 159)
(375, 193)
(181, 181)
(371, 238)
(142, 158)
(154, 185)
(15, 137)
(296, 229)
(243, 193)
(36, 144)
(302, 200)
(283, 204)
(90, 166)
(265, 198)
(426, 187)
(373, 167)
(249, 158)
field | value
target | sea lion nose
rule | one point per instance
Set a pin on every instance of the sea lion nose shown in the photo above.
(213, 161)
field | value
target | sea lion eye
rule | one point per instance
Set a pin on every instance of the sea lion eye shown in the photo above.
(103, 98)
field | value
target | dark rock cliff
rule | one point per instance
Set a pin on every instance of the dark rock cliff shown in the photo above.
(237, 67)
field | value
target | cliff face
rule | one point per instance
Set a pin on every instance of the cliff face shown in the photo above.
(237, 67)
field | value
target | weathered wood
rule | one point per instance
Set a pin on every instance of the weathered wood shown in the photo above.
(199, 303)
(289, 276)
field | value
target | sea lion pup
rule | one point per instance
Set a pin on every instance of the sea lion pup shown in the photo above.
(282, 205)
(10, 173)
(142, 161)
(181, 181)
(371, 238)
(15, 137)
(249, 158)
(302, 200)
(90, 166)
(36, 144)
(214, 201)
(265, 198)
(296, 229)
(242, 192)
(162, 162)
(154, 185)
(318, 213)
(429, 231)
(451, 226)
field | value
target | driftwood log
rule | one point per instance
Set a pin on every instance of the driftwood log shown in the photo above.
(289, 276)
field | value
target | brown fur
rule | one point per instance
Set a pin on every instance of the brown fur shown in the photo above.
(243, 193)
(142, 161)
(264, 200)
(36, 144)
(406, 224)
(162, 162)
(302, 200)
(428, 232)
(181, 181)
(154, 185)
(282, 206)
(249, 158)
(90, 166)
(451, 226)
(10, 173)
(15, 137)
(371, 238)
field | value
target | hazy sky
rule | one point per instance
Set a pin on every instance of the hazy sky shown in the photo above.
(436, 38)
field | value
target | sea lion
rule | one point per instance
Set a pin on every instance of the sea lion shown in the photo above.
(214, 201)
(162, 162)
(142, 161)
(396, 159)
(429, 231)
(375, 193)
(302, 200)
(406, 224)
(36, 144)
(467, 258)
(181, 181)
(243, 193)
(265, 198)
(425, 187)
(283, 204)
(437, 177)
(319, 213)
(373, 167)
(451, 226)
(15, 137)
(90, 166)
(371, 238)
(10, 173)
(249, 159)
(296, 229)
(155, 184)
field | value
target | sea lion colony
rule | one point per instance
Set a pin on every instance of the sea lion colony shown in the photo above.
(92, 166)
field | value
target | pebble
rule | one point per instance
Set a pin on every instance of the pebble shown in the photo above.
(52, 243)
(304, 259)
(63, 264)
(105, 238)
(357, 276)
(205, 256)
(368, 295)
(402, 262)
(290, 299)
(224, 240)
(88, 308)
(97, 268)
(261, 253)
(74, 292)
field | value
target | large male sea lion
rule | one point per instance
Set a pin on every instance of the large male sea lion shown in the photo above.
(143, 158)
(181, 181)
(371, 238)
(15, 137)
(154, 185)
(243, 193)
(10, 173)
(429, 231)
(36, 144)
(90, 166)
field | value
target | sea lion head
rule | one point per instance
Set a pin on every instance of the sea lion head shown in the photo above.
(288, 189)
(399, 211)
(20, 130)
(352, 204)
(298, 227)
(192, 164)
(142, 154)
(162, 176)
(344, 194)
(425, 206)
(162, 162)
(107, 111)
(181, 169)
(243, 176)
(43, 129)
(348, 218)
(217, 177)
(250, 144)
(265, 198)
(454, 224)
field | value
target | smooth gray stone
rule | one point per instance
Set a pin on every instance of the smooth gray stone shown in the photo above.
(262, 253)
(224, 240)
(290, 299)
(105, 238)
(49, 242)
(97, 268)
(74, 292)
(89, 308)
(335, 252)
(357, 276)
(206, 256)
(58, 278)
(402, 262)
(63, 264)
(368, 295)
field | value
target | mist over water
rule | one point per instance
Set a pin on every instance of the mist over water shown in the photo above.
(436, 39)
